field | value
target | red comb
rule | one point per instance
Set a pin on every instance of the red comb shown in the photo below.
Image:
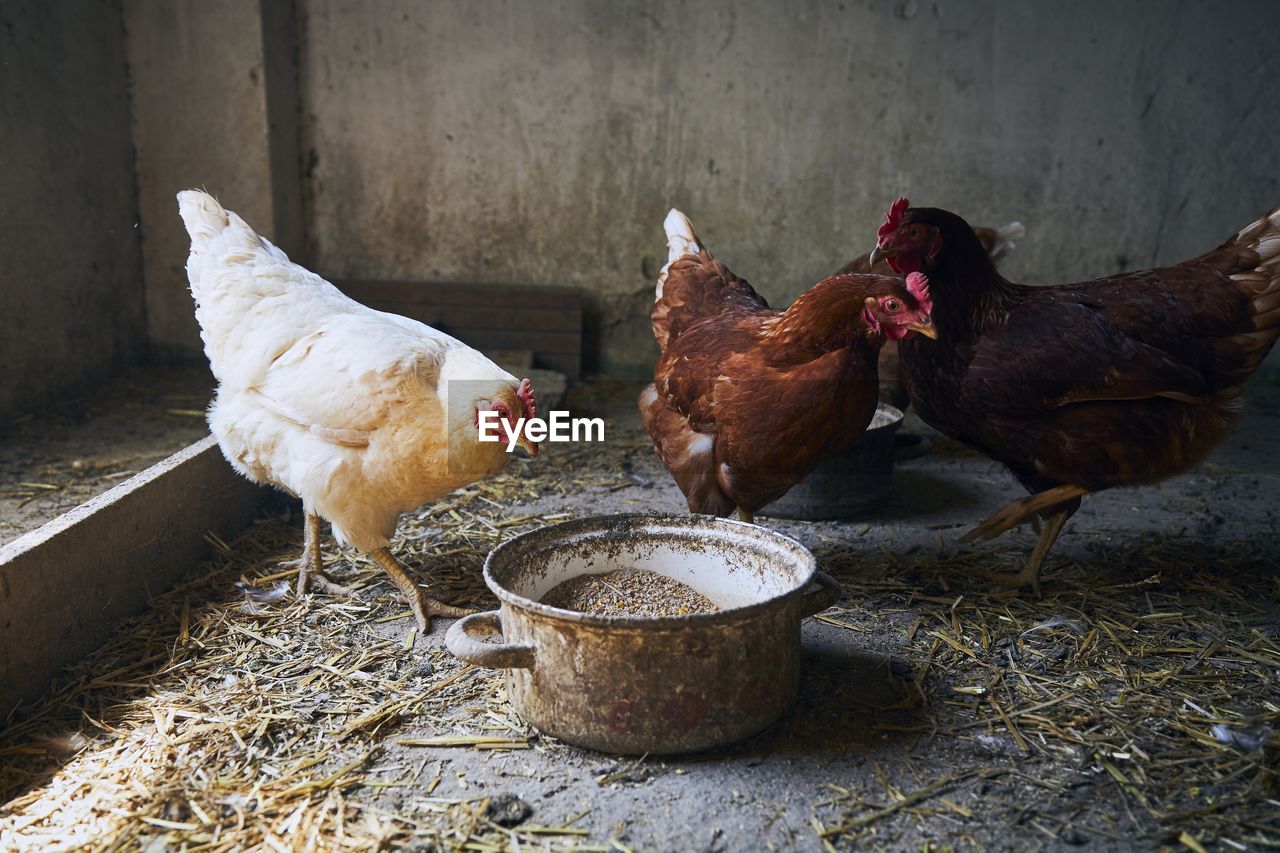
(892, 220)
(525, 393)
(918, 286)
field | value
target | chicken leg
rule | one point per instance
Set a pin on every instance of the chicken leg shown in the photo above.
(422, 605)
(1054, 518)
(1053, 523)
(1024, 510)
(310, 565)
(748, 517)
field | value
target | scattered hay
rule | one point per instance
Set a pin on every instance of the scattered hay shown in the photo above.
(221, 722)
(1150, 679)
(1137, 703)
(83, 445)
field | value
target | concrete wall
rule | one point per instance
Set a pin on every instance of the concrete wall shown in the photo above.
(71, 307)
(543, 142)
(214, 106)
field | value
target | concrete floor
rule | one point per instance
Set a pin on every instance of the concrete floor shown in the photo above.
(856, 725)
(882, 715)
(57, 459)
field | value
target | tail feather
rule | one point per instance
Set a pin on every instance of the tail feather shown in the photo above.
(681, 241)
(1005, 237)
(208, 222)
(701, 287)
(202, 215)
(230, 269)
(1240, 355)
(1262, 283)
(218, 236)
(1263, 235)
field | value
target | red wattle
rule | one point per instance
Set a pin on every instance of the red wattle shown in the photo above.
(905, 264)
(869, 318)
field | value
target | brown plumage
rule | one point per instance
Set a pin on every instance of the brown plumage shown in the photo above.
(746, 399)
(996, 242)
(1122, 380)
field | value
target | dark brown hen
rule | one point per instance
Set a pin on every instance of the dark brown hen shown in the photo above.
(996, 242)
(1122, 380)
(746, 400)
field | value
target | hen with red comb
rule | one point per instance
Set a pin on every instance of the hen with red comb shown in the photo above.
(893, 218)
(363, 415)
(1123, 380)
(746, 400)
(997, 242)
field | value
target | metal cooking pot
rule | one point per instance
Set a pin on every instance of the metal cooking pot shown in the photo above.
(671, 684)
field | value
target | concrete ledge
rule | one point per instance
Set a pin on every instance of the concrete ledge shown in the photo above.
(66, 586)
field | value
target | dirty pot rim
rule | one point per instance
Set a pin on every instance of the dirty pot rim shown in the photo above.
(650, 623)
(895, 415)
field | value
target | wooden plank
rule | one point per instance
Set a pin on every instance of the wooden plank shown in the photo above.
(428, 314)
(511, 359)
(66, 586)
(544, 320)
(535, 339)
(484, 317)
(430, 293)
(495, 317)
(570, 364)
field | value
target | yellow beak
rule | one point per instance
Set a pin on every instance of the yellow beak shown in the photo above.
(925, 327)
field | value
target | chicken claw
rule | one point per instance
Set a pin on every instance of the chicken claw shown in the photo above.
(1021, 511)
(310, 565)
(422, 605)
(1029, 575)
(1011, 582)
(1054, 507)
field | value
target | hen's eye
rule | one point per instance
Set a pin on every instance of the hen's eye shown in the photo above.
(893, 306)
(914, 232)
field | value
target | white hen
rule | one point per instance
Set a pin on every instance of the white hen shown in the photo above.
(360, 413)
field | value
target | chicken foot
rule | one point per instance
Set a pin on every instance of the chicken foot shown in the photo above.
(748, 517)
(1024, 510)
(1029, 574)
(422, 605)
(310, 565)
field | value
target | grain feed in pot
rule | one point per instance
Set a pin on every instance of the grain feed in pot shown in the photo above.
(628, 592)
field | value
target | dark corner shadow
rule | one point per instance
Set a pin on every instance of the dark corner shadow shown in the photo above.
(920, 493)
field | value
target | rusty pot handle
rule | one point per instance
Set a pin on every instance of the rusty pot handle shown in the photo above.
(461, 641)
(817, 600)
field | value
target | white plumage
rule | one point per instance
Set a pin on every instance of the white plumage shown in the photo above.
(346, 407)
(681, 241)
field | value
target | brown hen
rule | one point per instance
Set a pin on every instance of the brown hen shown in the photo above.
(746, 400)
(1119, 381)
(996, 242)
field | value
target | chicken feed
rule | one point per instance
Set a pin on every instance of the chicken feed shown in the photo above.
(628, 592)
